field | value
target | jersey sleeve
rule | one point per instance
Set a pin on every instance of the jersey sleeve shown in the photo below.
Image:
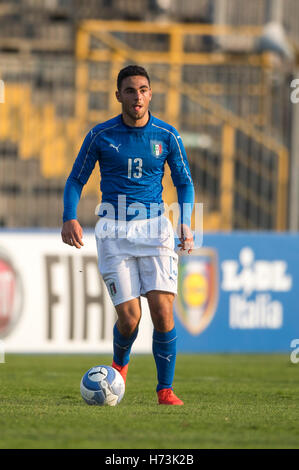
(177, 161)
(81, 171)
(181, 177)
(71, 197)
(185, 194)
(86, 159)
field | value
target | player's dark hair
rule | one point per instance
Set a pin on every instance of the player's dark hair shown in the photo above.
(131, 71)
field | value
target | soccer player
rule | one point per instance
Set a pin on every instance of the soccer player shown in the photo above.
(135, 240)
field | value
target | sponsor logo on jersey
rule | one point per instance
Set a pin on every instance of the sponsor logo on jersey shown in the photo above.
(197, 297)
(11, 296)
(115, 147)
(157, 148)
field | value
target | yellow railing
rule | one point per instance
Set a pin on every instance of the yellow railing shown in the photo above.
(40, 132)
(118, 52)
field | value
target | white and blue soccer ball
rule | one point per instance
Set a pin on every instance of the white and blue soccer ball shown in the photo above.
(102, 385)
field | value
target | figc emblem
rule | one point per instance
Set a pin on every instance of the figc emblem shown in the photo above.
(197, 297)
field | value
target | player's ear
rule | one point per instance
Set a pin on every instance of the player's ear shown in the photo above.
(150, 94)
(117, 94)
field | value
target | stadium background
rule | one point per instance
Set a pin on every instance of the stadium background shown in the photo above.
(221, 73)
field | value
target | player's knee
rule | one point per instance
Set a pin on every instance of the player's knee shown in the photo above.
(129, 314)
(163, 325)
(162, 318)
(127, 323)
(126, 328)
(162, 309)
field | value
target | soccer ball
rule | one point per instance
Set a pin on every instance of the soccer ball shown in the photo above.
(102, 385)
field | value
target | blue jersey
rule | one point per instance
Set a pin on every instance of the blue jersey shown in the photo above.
(132, 161)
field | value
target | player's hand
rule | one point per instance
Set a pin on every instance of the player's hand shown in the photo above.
(72, 233)
(186, 238)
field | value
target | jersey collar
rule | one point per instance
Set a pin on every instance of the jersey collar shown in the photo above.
(137, 129)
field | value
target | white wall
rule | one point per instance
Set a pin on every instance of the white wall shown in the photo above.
(52, 298)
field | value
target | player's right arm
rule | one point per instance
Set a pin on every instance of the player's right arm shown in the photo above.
(72, 232)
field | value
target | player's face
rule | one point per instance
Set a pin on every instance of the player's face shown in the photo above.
(135, 95)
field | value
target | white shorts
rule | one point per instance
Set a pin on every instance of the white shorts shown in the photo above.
(136, 257)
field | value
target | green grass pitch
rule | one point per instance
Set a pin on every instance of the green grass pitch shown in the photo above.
(231, 401)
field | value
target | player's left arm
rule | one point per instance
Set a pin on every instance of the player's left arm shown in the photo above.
(182, 180)
(186, 201)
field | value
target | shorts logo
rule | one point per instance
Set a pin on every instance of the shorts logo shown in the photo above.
(197, 289)
(157, 148)
(112, 288)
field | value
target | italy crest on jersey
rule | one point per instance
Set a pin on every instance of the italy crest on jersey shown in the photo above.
(197, 297)
(156, 148)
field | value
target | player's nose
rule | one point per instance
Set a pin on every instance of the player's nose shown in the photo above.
(138, 95)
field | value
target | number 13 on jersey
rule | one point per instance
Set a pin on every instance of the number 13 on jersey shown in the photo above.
(134, 168)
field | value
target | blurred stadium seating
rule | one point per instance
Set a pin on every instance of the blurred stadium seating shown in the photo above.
(214, 78)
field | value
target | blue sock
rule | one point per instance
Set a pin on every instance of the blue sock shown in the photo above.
(122, 346)
(164, 350)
